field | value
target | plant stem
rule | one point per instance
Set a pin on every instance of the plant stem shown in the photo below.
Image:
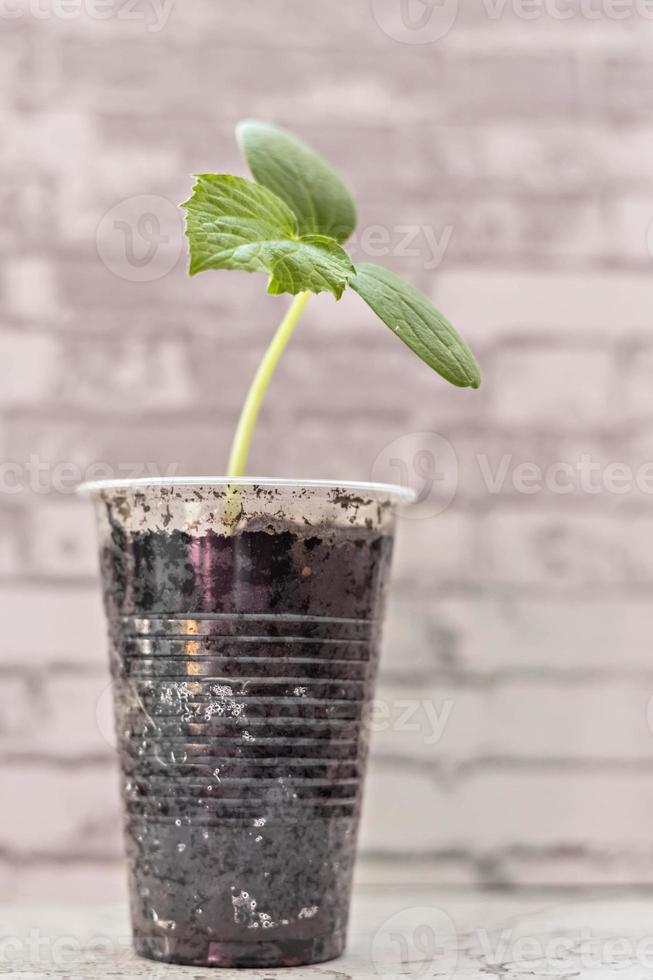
(251, 408)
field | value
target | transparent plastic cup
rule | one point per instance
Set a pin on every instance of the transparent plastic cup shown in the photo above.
(244, 620)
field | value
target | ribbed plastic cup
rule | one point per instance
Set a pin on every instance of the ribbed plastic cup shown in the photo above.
(244, 621)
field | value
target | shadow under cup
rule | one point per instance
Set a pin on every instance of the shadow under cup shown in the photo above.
(244, 623)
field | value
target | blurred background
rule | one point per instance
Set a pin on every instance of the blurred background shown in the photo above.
(501, 155)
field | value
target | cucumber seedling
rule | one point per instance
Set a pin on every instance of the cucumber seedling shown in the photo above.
(291, 222)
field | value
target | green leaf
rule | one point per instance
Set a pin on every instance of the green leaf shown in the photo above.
(300, 177)
(414, 319)
(232, 223)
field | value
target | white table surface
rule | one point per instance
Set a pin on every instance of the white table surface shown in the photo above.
(413, 932)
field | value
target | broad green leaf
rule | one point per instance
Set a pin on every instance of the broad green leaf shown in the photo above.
(233, 223)
(414, 319)
(301, 178)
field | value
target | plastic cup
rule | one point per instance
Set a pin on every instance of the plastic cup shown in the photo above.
(244, 620)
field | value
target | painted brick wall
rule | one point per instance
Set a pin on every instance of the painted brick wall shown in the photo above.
(513, 146)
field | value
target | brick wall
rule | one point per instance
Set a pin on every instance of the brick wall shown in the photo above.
(514, 740)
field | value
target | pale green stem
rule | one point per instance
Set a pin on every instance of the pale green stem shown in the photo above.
(252, 406)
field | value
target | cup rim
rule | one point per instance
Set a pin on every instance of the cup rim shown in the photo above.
(91, 487)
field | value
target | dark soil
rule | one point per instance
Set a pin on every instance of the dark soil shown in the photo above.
(243, 667)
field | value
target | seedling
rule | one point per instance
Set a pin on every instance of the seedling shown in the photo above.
(291, 222)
